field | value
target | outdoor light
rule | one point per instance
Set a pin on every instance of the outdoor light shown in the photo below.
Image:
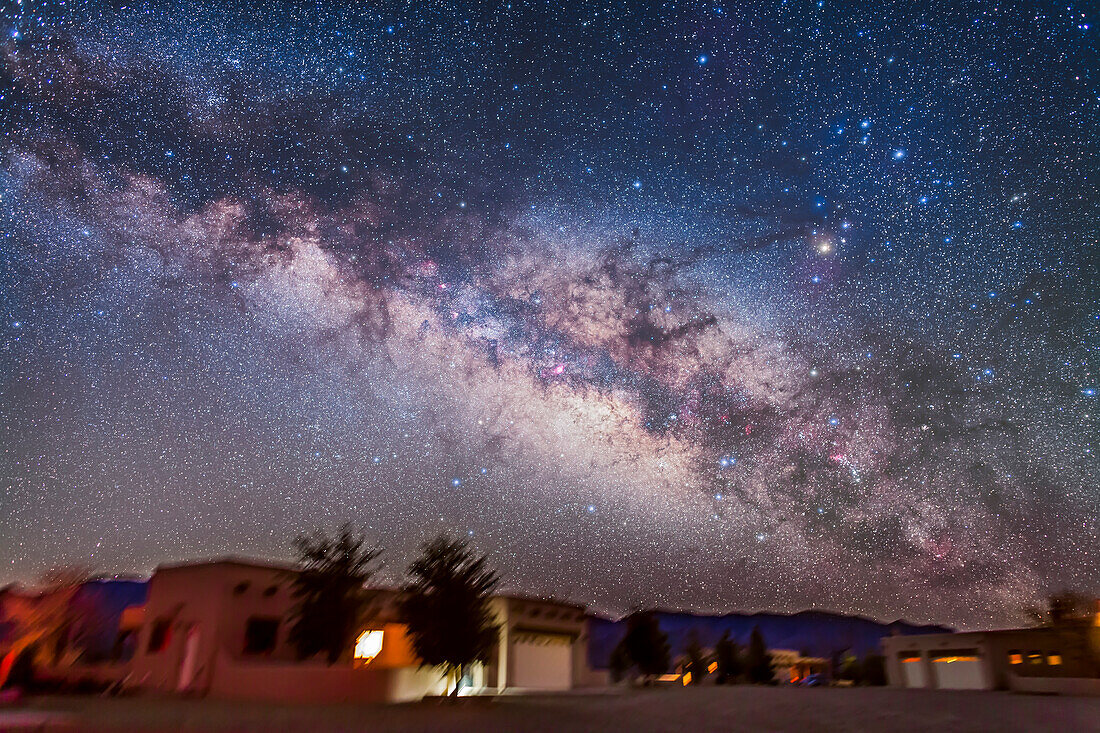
(368, 645)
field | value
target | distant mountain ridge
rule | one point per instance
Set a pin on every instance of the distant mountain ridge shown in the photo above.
(820, 633)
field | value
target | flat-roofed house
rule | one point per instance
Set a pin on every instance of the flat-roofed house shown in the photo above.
(220, 628)
(1036, 660)
(542, 646)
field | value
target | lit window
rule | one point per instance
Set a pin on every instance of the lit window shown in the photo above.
(1054, 659)
(1015, 658)
(1035, 658)
(910, 660)
(687, 678)
(713, 666)
(368, 645)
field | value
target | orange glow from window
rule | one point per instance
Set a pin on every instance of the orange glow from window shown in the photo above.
(1054, 660)
(949, 660)
(368, 645)
(713, 666)
(1015, 658)
(687, 678)
(909, 660)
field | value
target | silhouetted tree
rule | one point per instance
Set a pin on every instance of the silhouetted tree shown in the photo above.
(850, 669)
(757, 662)
(696, 658)
(728, 656)
(1070, 617)
(620, 663)
(644, 645)
(1063, 608)
(329, 590)
(834, 663)
(874, 670)
(446, 606)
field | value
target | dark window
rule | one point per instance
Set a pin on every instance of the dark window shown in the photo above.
(240, 588)
(270, 591)
(260, 635)
(123, 648)
(160, 635)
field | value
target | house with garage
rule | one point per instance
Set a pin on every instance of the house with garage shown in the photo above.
(542, 645)
(220, 629)
(1049, 659)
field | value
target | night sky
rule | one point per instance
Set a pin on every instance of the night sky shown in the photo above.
(703, 306)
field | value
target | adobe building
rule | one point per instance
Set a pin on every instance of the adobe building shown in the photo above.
(791, 667)
(543, 645)
(220, 629)
(1049, 660)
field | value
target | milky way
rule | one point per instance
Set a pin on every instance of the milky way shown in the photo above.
(700, 306)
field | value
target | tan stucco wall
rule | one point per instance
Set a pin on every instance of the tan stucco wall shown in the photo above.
(994, 648)
(274, 681)
(529, 615)
(218, 598)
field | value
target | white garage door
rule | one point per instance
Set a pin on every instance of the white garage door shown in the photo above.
(912, 670)
(542, 662)
(959, 670)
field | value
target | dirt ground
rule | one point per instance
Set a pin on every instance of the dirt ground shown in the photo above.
(739, 708)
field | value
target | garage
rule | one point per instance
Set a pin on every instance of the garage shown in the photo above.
(958, 669)
(912, 669)
(542, 661)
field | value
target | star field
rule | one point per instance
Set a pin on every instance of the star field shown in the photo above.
(697, 305)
